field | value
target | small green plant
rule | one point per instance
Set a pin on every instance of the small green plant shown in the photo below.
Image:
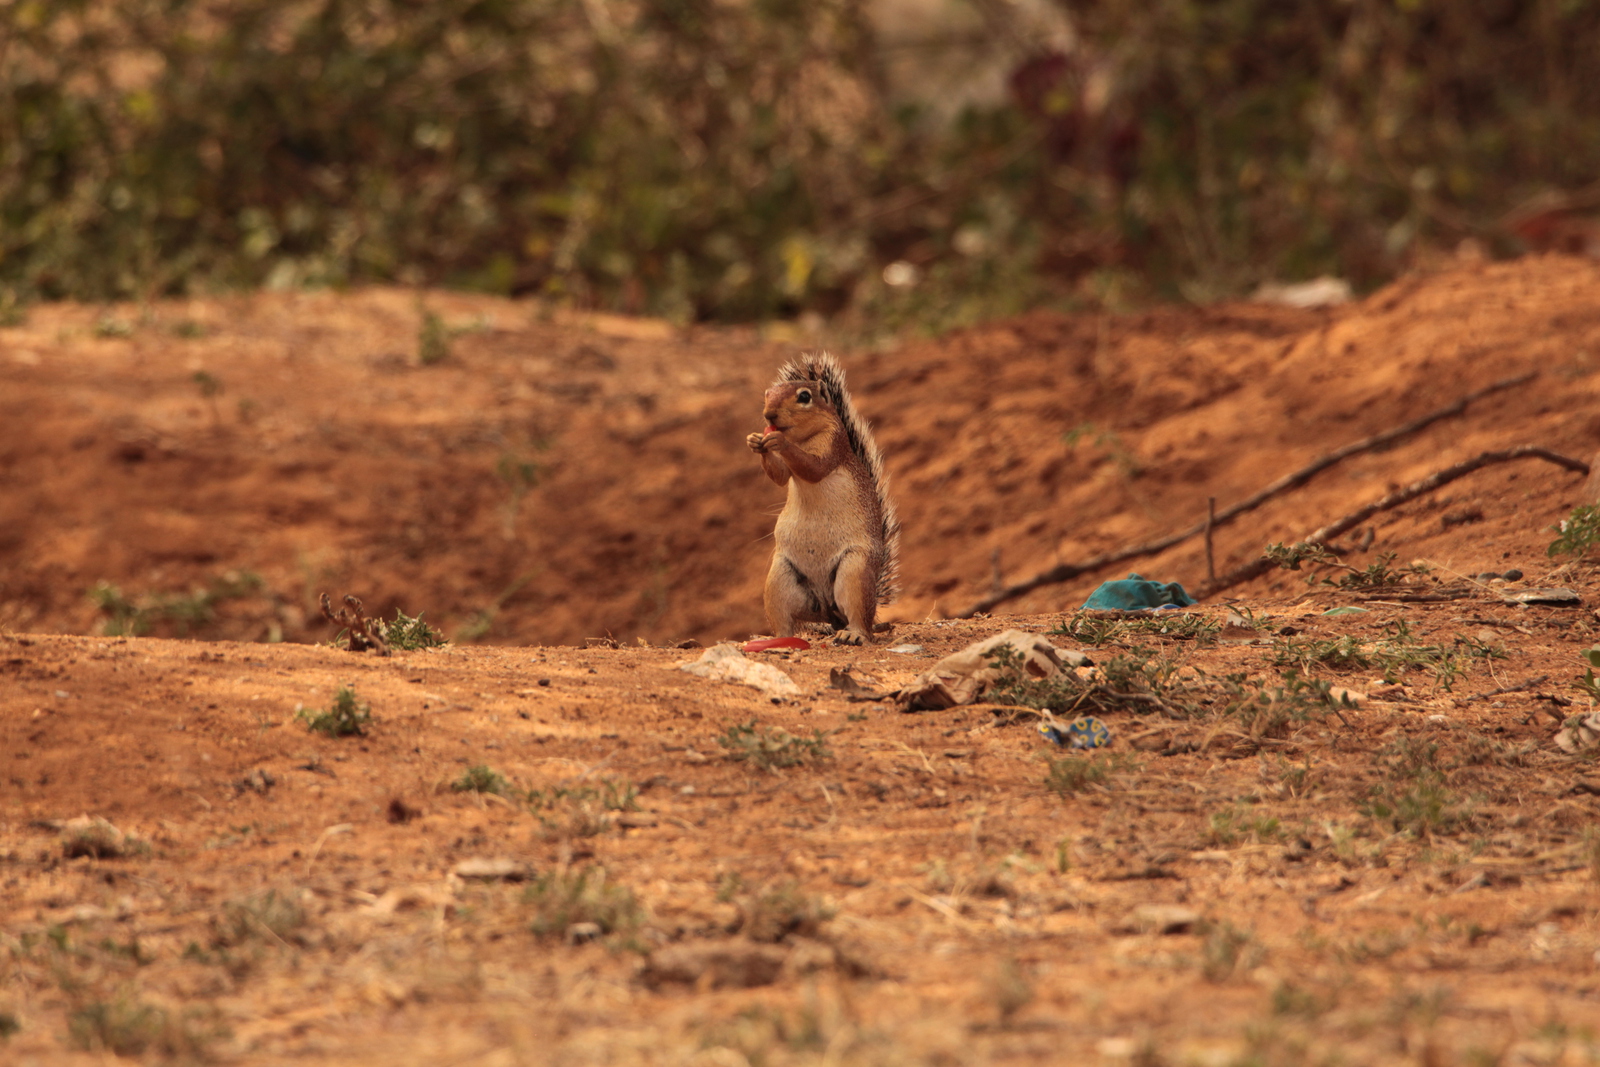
(1291, 557)
(270, 916)
(936, 875)
(1242, 823)
(1578, 532)
(1380, 574)
(481, 779)
(13, 311)
(1131, 681)
(771, 747)
(1266, 708)
(1588, 685)
(210, 387)
(1176, 626)
(562, 899)
(110, 326)
(1009, 989)
(775, 912)
(1377, 575)
(1421, 807)
(1341, 653)
(763, 1035)
(582, 810)
(1225, 949)
(360, 632)
(1396, 652)
(519, 474)
(1089, 629)
(348, 716)
(189, 329)
(186, 614)
(1291, 999)
(433, 339)
(1589, 852)
(411, 634)
(1296, 778)
(1074, 774)
(1110, 444)
(128, 1027)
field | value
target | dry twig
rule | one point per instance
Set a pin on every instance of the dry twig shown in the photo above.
(364, 633)
(1260, 566)
(1067, 571)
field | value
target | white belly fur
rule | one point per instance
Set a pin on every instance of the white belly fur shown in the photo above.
(820, 523)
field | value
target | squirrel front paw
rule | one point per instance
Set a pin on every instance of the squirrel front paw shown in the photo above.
(763, 441)
(849, 637)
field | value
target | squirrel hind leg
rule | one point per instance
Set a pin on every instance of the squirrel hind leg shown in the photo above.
(789, 598)
(855, 591)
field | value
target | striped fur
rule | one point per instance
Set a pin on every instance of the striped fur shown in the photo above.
(822, 368)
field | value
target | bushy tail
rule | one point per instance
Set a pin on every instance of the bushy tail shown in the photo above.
(822, 368)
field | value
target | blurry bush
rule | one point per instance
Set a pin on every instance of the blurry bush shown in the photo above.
(741, 159)
(1346, 136)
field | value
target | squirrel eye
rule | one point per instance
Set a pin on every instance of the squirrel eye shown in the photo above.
(804, 396)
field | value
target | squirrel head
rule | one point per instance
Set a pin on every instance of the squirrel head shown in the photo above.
(799, 409)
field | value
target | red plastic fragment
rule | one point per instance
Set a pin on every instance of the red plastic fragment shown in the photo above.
(767, 643)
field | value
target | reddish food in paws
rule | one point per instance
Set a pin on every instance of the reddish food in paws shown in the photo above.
(772, 429)
(767, 643)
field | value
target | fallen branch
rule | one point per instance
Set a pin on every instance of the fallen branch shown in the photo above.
(1257, 567)
(1531, 683)
(1065, 572)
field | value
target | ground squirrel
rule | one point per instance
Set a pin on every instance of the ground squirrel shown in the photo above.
(837, 540)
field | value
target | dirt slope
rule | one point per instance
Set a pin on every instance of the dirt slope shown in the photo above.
(331, 461)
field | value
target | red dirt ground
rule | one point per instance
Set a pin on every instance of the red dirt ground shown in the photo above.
(917, 895)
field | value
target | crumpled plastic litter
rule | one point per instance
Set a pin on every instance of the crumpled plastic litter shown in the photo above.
(1087, 732)
(1580, 733)
(963, 677)
(725, 663)
(1134, 593)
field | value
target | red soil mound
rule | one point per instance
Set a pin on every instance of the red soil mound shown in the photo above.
(554, 480)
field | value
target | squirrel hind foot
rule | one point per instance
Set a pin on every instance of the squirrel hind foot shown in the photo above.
(850, 637)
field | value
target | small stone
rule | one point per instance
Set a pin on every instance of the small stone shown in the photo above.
(636, 820)
(1560, 597)
(1117, 1048)
(93, 836)
(492, 869)
(906, 650)
(1488, 576)
(1512, 575)
(1164, 918)
(582, 933)
(258, 780)
(716, 965)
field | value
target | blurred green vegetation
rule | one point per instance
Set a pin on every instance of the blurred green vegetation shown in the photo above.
(705, 159)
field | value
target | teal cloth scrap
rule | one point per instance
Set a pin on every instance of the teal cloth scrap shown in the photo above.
(1136, 594)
